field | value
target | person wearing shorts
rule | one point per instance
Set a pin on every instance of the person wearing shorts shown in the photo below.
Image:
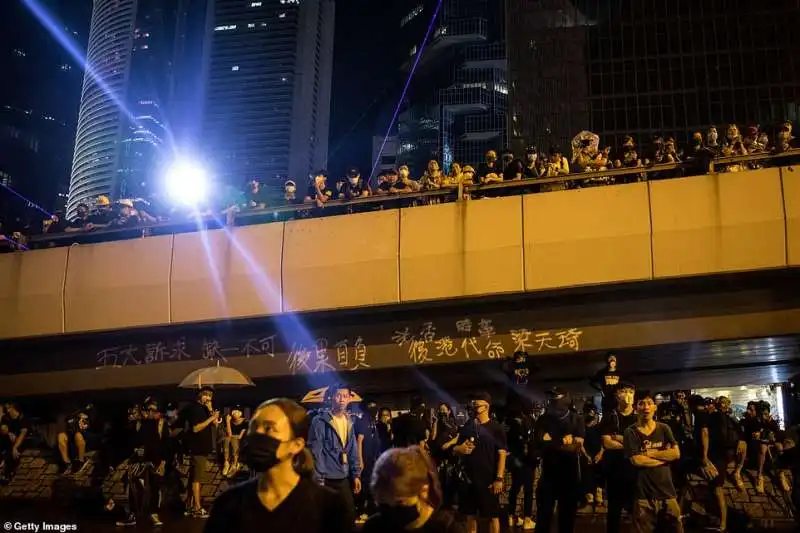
(482, 445)
(202, 419)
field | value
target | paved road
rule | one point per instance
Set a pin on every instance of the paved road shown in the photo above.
(24, 515)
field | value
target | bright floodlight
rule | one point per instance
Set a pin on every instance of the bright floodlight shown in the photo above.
(187, 182)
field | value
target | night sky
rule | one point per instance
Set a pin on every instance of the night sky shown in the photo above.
(365, 80)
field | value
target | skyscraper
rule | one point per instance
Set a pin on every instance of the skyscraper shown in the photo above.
(39, 101)
(456, 106)
(129, 91)
(621, 67)
(267, 101)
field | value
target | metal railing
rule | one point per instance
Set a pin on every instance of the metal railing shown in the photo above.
(339, 207)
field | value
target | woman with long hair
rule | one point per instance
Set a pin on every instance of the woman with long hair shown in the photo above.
(406, 488)
(282, 497)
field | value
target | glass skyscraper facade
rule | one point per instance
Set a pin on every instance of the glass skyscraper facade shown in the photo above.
(130, 96)
(456, 106)
(267, 100)
(643, 67)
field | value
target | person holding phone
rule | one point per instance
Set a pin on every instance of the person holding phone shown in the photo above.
(202, 419)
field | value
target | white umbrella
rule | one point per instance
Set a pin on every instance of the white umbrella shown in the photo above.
(216, 376)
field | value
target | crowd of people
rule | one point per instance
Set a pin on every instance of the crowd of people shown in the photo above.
(583, 156)
(355, 464)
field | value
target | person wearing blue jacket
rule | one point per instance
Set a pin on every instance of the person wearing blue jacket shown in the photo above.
(333, 444)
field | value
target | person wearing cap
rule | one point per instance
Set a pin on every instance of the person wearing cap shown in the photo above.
(146, 466)
(559, 436)
(482, 445)
(290, 192)
(606, 380)
(489, 171)
(468, 175)
(354, 187)
(620, 475)
(651, 448)
(202, 420)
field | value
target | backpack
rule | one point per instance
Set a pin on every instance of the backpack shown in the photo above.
(727, 430)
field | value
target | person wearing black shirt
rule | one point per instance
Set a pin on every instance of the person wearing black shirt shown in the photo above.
(283, 498)
(354, 187)
(406, 488)
(365, 427)
(592, 456)
(202, 420)
(411, 429)
(522, 464)
(13, 430)
(651, 447)
(255, 196)
(531, 167)
(606, 381)
(384, 428)
(81, 220)
(146, 466)
(489, 171)
(559, 436)
(620, 476)
(444, 436)
(482, 445)
(719, 440)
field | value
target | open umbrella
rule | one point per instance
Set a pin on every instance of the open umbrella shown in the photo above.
(594, 142)
(318, 396)
(216, 376)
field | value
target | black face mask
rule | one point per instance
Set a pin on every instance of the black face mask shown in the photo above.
(400, 515)
(260, 451)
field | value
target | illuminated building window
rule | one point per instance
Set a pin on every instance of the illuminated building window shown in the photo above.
(255, 4)
(19, 52)
(281, 15)
(251, 25)
(235, 68)
(413, 50)
(225, 28)
(66, 68)
(411, 16)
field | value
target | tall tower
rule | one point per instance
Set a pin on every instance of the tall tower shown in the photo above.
(267, 101)
(130, 95)
(100, 115)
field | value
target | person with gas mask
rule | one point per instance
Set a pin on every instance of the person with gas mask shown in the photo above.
(559, 436)
(283, 497)
(334, 446)
(146, 466)
(408, 495)
(482, 446)
(620, 475)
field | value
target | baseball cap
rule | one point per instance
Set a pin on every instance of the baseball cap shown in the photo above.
(482, 396)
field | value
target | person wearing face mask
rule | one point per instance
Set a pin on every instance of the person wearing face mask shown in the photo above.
(531, 169)
(384, 427)
(354, 187)
(593, 456)
(620, 476)
(489, 171)
(559, 435)
(290, 192)
(366, 430)
(482, 445)
(411, 428)
(283, 497)
(146, 466)
(408, 495)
